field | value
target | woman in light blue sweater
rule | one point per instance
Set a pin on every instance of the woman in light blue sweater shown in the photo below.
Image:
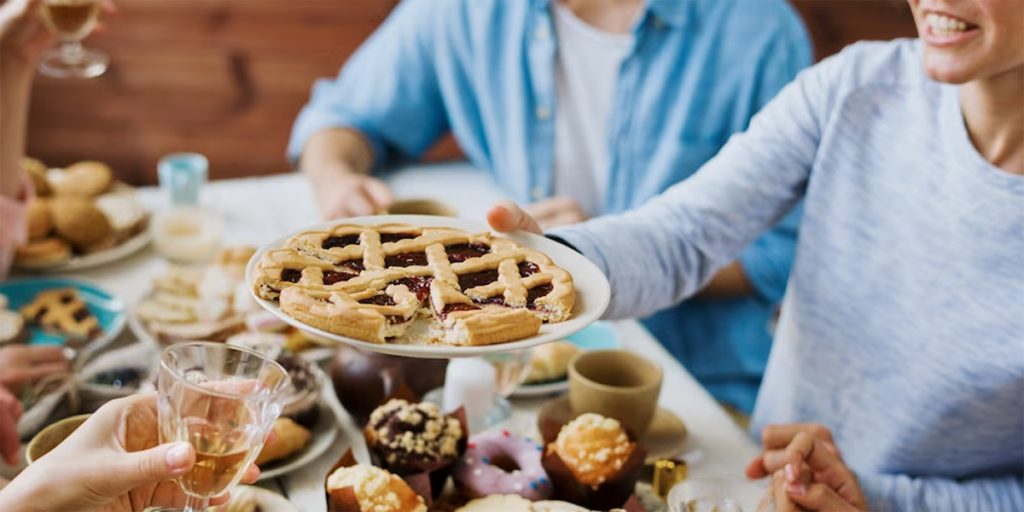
(902, 331)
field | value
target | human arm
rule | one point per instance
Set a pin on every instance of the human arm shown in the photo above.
(22, 365)
(385, 102)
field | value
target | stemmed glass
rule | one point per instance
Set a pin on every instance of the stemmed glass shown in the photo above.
(71, 21)
(222, 400)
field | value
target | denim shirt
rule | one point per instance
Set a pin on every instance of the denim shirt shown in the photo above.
(484, 70)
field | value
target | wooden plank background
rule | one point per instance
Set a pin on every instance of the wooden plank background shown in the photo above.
(227, 77)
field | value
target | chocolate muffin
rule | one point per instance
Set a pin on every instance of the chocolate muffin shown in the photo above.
(412, 438)
(303, 392)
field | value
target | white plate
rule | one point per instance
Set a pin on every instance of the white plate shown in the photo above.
(96, 259)
(323, 434)
(592, 290)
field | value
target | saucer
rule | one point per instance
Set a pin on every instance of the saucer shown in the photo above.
(665, 438)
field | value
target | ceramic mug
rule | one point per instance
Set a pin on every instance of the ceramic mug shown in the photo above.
(51, 436)
(422, 207)
(617, 384)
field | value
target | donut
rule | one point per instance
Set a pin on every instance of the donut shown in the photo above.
(498, 462)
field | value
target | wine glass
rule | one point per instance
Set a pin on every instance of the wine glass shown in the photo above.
(222, 400)
(71, 21)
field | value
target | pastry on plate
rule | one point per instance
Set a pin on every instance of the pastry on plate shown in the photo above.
(39, 218)
(550, 362)
(124, 212)
(62, 312)
(46, 251)
(364, 488)
(290, 438)
(12, 327)
(373, 282)
(593, 462)
(515, 503)
(80, 222)
(84, 179)
(36, 171)
(303, 393)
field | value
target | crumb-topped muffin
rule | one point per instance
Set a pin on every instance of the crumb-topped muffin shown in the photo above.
(410, 437)
(376, 490)
(593, 447)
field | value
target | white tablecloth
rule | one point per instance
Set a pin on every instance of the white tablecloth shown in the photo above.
(258, 210)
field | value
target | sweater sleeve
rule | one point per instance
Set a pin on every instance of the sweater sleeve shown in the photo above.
(898, 493)
(665, 251)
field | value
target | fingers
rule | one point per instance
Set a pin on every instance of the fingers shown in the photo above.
(251, 474)
(9, 443)
(133, 469)
(506, 216)
(817, 496)
(557, 211)
(779, 495)
(44, 354)
(779, 436)
(378, 193)
(755, 468)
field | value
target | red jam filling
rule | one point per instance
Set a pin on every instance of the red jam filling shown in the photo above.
(331, 277)
(527, 268)
(462, 252)
(379, 300)
(419, 285)
(291, 275)
(340, 241)
(535, 293)
(474, 279)
(408, 259)
(394, 237)
(451, 308)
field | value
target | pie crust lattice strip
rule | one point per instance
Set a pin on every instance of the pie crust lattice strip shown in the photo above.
(396, 283)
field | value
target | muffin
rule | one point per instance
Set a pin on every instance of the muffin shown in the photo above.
(303, 394)
(415, 438)
(47, 251)
(593, 462)
(363, 488)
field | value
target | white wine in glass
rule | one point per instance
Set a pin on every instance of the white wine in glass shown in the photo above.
(222, 400)
(71, 21)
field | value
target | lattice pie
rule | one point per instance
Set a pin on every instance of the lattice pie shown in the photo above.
(405, 284)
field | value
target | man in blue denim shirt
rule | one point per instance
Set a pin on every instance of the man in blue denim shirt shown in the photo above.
(581, 108)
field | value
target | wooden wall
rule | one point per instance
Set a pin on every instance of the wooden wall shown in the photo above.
(227, 77)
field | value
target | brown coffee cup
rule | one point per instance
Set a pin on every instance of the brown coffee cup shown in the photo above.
(421, 207)
(617, 384)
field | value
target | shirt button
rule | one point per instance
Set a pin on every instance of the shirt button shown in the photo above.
(537, 193)
(543, 113)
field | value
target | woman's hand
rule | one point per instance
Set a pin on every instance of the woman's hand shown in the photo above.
(113, 462)
(507, 216)
(22, 365)
(809, 473)
(10, 413)
(23, 38)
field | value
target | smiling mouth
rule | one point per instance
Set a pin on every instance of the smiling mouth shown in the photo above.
(947, 26)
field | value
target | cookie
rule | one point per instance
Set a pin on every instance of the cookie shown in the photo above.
(36, 171)
(39, 218)
(46, 251)
(62, 311)
(80, 222)
(12, 328)
(84, 179)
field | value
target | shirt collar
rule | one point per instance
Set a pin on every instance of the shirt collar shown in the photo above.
(671, 12)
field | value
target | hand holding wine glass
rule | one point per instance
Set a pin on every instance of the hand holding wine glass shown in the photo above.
(113, 462)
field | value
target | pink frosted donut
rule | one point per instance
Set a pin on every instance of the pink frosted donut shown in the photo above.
(498, 462)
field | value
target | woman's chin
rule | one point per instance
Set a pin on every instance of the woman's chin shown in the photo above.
(947, 70)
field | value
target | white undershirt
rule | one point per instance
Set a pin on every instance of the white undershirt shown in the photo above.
(586, 71)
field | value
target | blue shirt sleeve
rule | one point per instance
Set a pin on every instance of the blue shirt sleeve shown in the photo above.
(766, 262)
(388, 90)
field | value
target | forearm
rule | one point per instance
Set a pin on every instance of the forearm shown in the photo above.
(15, 92)
(899, 493)
(336, 150)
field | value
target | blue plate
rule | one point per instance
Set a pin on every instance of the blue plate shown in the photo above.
(596, 336)
(108, 310)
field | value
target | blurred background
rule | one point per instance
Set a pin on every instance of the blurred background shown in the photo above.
(226, 78)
